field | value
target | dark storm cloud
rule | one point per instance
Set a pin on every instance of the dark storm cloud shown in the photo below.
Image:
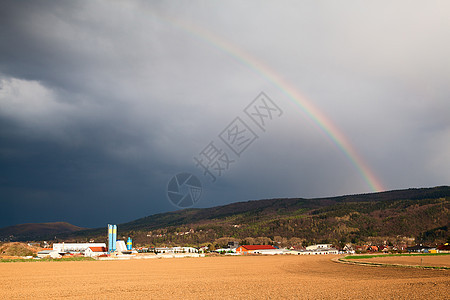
(102, 102)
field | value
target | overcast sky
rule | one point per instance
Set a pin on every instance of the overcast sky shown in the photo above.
(103, 102)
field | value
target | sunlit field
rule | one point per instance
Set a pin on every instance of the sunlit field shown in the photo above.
(252, 277)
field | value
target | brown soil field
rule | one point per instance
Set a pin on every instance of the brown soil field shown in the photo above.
(250, 277)
(434, 261)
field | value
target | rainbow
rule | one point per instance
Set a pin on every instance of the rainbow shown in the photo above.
(323, 122)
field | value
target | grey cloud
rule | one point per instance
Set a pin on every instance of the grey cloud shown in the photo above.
(102, 102)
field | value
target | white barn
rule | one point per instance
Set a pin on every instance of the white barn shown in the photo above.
(75, 247)
(48, 253)
(95, 251)
(176, 250)
(319, 246)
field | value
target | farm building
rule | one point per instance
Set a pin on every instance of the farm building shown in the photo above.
(121, 247)
(185, 250)
(319, 249)
(225, 250)
(273, 251)
(176, 250)
(75, 247)
(318, 252)
(48, 253)
(319, 246)
(421, 249)
(95, 251)
(253, 249)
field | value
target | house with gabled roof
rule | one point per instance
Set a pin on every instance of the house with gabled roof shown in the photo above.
(95, 251)
(253, 249)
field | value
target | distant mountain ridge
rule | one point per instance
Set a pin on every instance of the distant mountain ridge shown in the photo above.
(421, 213)
(34, 231)
(285, 204)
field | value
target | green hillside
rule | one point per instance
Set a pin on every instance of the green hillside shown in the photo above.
(422, 214)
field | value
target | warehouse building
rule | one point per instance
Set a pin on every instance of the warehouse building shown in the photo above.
(176, 250)
(75, 247)
(319, 249)
(254, 249)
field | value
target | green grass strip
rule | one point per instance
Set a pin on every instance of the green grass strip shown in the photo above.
(392, 265)
(9, 260)
(388, 255)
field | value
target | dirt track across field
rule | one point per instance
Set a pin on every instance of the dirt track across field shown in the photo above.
(416, 260)
(253, 277)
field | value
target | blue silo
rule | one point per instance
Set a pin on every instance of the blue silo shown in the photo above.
(129, 244)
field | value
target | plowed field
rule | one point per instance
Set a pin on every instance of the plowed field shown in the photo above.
(253, 277)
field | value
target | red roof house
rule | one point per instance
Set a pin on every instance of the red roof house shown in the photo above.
(95, 251)
(247, 249)
(98, 249)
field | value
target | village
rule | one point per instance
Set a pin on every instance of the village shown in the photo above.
(116, 249)
(100, 251)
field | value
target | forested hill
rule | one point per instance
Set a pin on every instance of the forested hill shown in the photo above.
(275, 207)
(419, 213)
